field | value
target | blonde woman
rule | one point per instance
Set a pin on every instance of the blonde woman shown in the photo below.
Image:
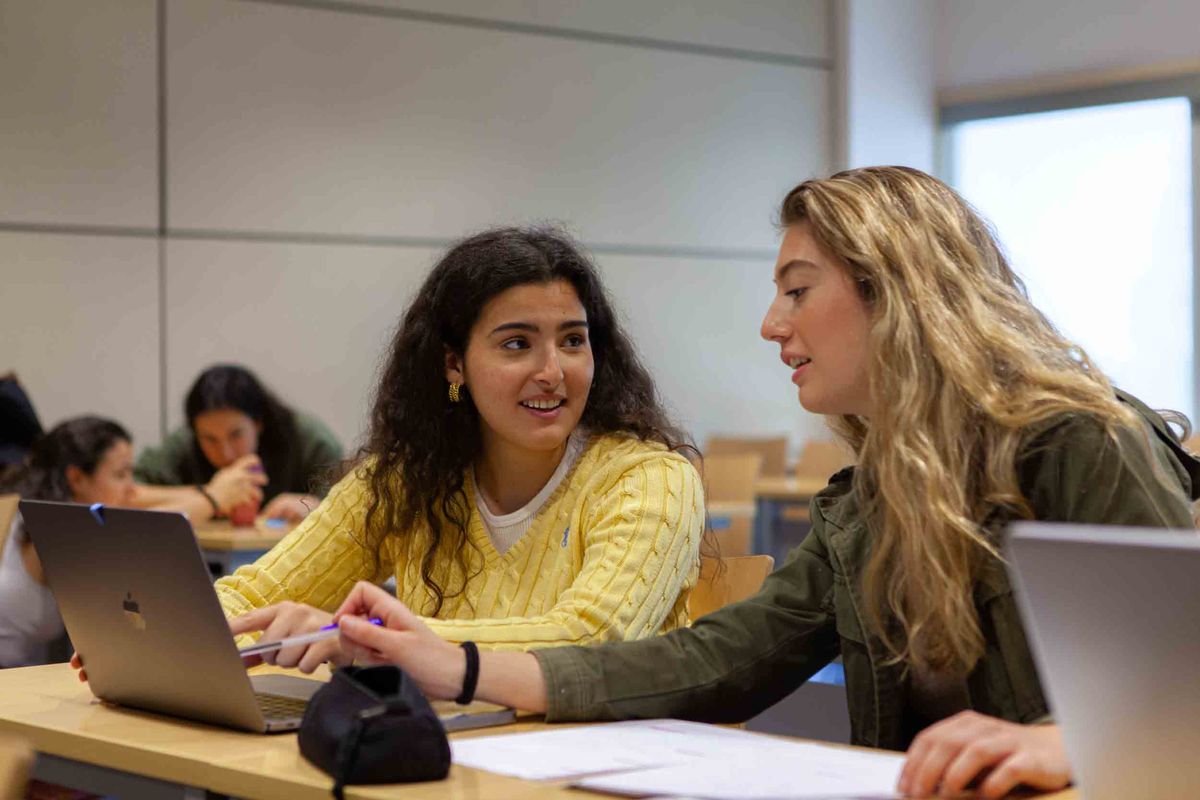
(900, 319)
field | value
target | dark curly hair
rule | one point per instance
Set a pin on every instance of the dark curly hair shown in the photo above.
(420, 444)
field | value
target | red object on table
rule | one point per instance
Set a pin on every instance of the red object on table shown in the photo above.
(243, 515)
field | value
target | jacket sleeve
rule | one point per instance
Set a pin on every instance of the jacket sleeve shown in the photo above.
(727, 667)
(318, 563)
(163, 465)
(641, 556)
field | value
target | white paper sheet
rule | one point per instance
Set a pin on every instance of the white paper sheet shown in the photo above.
(669, 757)
(795, 771)
(595, 749)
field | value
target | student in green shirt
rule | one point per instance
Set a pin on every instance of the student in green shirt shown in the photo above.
(900, 319)
(241, 447)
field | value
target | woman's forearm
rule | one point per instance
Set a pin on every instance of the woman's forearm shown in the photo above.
(174, 498)
(511, 679)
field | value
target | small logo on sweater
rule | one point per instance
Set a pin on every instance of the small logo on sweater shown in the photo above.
(566, 531)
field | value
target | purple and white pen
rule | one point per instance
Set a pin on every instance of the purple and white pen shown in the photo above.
(326, 632)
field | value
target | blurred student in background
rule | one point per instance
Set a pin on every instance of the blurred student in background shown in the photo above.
(82, 460)
(241, 448)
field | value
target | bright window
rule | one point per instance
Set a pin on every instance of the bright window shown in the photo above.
(1094, 209)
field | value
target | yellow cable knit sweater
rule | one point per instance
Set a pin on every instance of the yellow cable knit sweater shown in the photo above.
(611, 555)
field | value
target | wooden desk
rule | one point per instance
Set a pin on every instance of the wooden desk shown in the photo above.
(119, 751)
(227, 547)
(84, 743)
(777, 498)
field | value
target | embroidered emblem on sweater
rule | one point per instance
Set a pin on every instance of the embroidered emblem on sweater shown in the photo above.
(566, 531)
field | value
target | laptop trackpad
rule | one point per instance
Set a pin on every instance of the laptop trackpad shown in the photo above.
(285, 686)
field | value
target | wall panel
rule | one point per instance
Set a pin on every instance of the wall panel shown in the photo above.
(78, 141)
(81, 326)
(696, 323)
(980, 42)
(311, 320)
(788, 27)
(320, 122)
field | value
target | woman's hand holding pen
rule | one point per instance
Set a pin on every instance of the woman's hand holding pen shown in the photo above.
(240, 482)
(437, 666)
(291, 619)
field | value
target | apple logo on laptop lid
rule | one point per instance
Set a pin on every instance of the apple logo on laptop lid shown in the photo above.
(133, 613)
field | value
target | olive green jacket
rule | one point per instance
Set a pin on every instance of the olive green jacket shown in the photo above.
(737, 661)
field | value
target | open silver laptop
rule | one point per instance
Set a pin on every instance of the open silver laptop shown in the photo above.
(138, 603)
(1114, 614)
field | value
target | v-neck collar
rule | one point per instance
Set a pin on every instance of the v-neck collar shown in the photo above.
(477, 532)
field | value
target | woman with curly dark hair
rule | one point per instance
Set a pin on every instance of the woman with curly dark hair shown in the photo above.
(520, 481)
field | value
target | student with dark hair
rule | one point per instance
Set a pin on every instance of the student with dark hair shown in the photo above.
(520, 482)
(82, 460)
(241, 447)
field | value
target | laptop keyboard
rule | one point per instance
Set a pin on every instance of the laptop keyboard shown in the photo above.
(277, 707)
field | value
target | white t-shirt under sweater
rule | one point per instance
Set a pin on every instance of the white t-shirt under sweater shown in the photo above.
(505, 529)
(29, 618)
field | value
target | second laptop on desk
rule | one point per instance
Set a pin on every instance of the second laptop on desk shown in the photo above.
(138, 603)
(1113, 613)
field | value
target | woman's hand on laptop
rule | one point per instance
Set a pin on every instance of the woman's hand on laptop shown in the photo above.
(435, 664)
(77, 663)
(949, 755)
(291, 619)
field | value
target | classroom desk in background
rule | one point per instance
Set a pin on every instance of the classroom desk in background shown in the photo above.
(226, 547)
(132, 754)
(780, 499)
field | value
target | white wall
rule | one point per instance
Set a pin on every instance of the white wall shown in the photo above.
(888, 82)
(316, 159)
(981, 42)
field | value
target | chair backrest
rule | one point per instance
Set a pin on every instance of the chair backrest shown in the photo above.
(735, 579)
(1192, 445)
(16, 763)
(773, 450)
(734, 533)
(730, 479)
(8, 510)
(821, 459)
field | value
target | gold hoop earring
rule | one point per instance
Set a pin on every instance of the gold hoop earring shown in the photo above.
(455, 395)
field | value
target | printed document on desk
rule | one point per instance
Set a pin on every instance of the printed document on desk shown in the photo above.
(670, 757)
(795, 771)
(603, 748)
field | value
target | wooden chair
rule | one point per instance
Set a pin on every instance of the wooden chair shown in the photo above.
(730, 479)
(16, 764)
(772, 449)
(736, 579)
(818, 459)
(821, 459)
(8, 510)
(729, 494)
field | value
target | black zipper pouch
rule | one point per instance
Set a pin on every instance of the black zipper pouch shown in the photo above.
(372, 725)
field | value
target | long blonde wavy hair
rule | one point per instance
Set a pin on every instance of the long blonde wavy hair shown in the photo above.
(960, 366)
